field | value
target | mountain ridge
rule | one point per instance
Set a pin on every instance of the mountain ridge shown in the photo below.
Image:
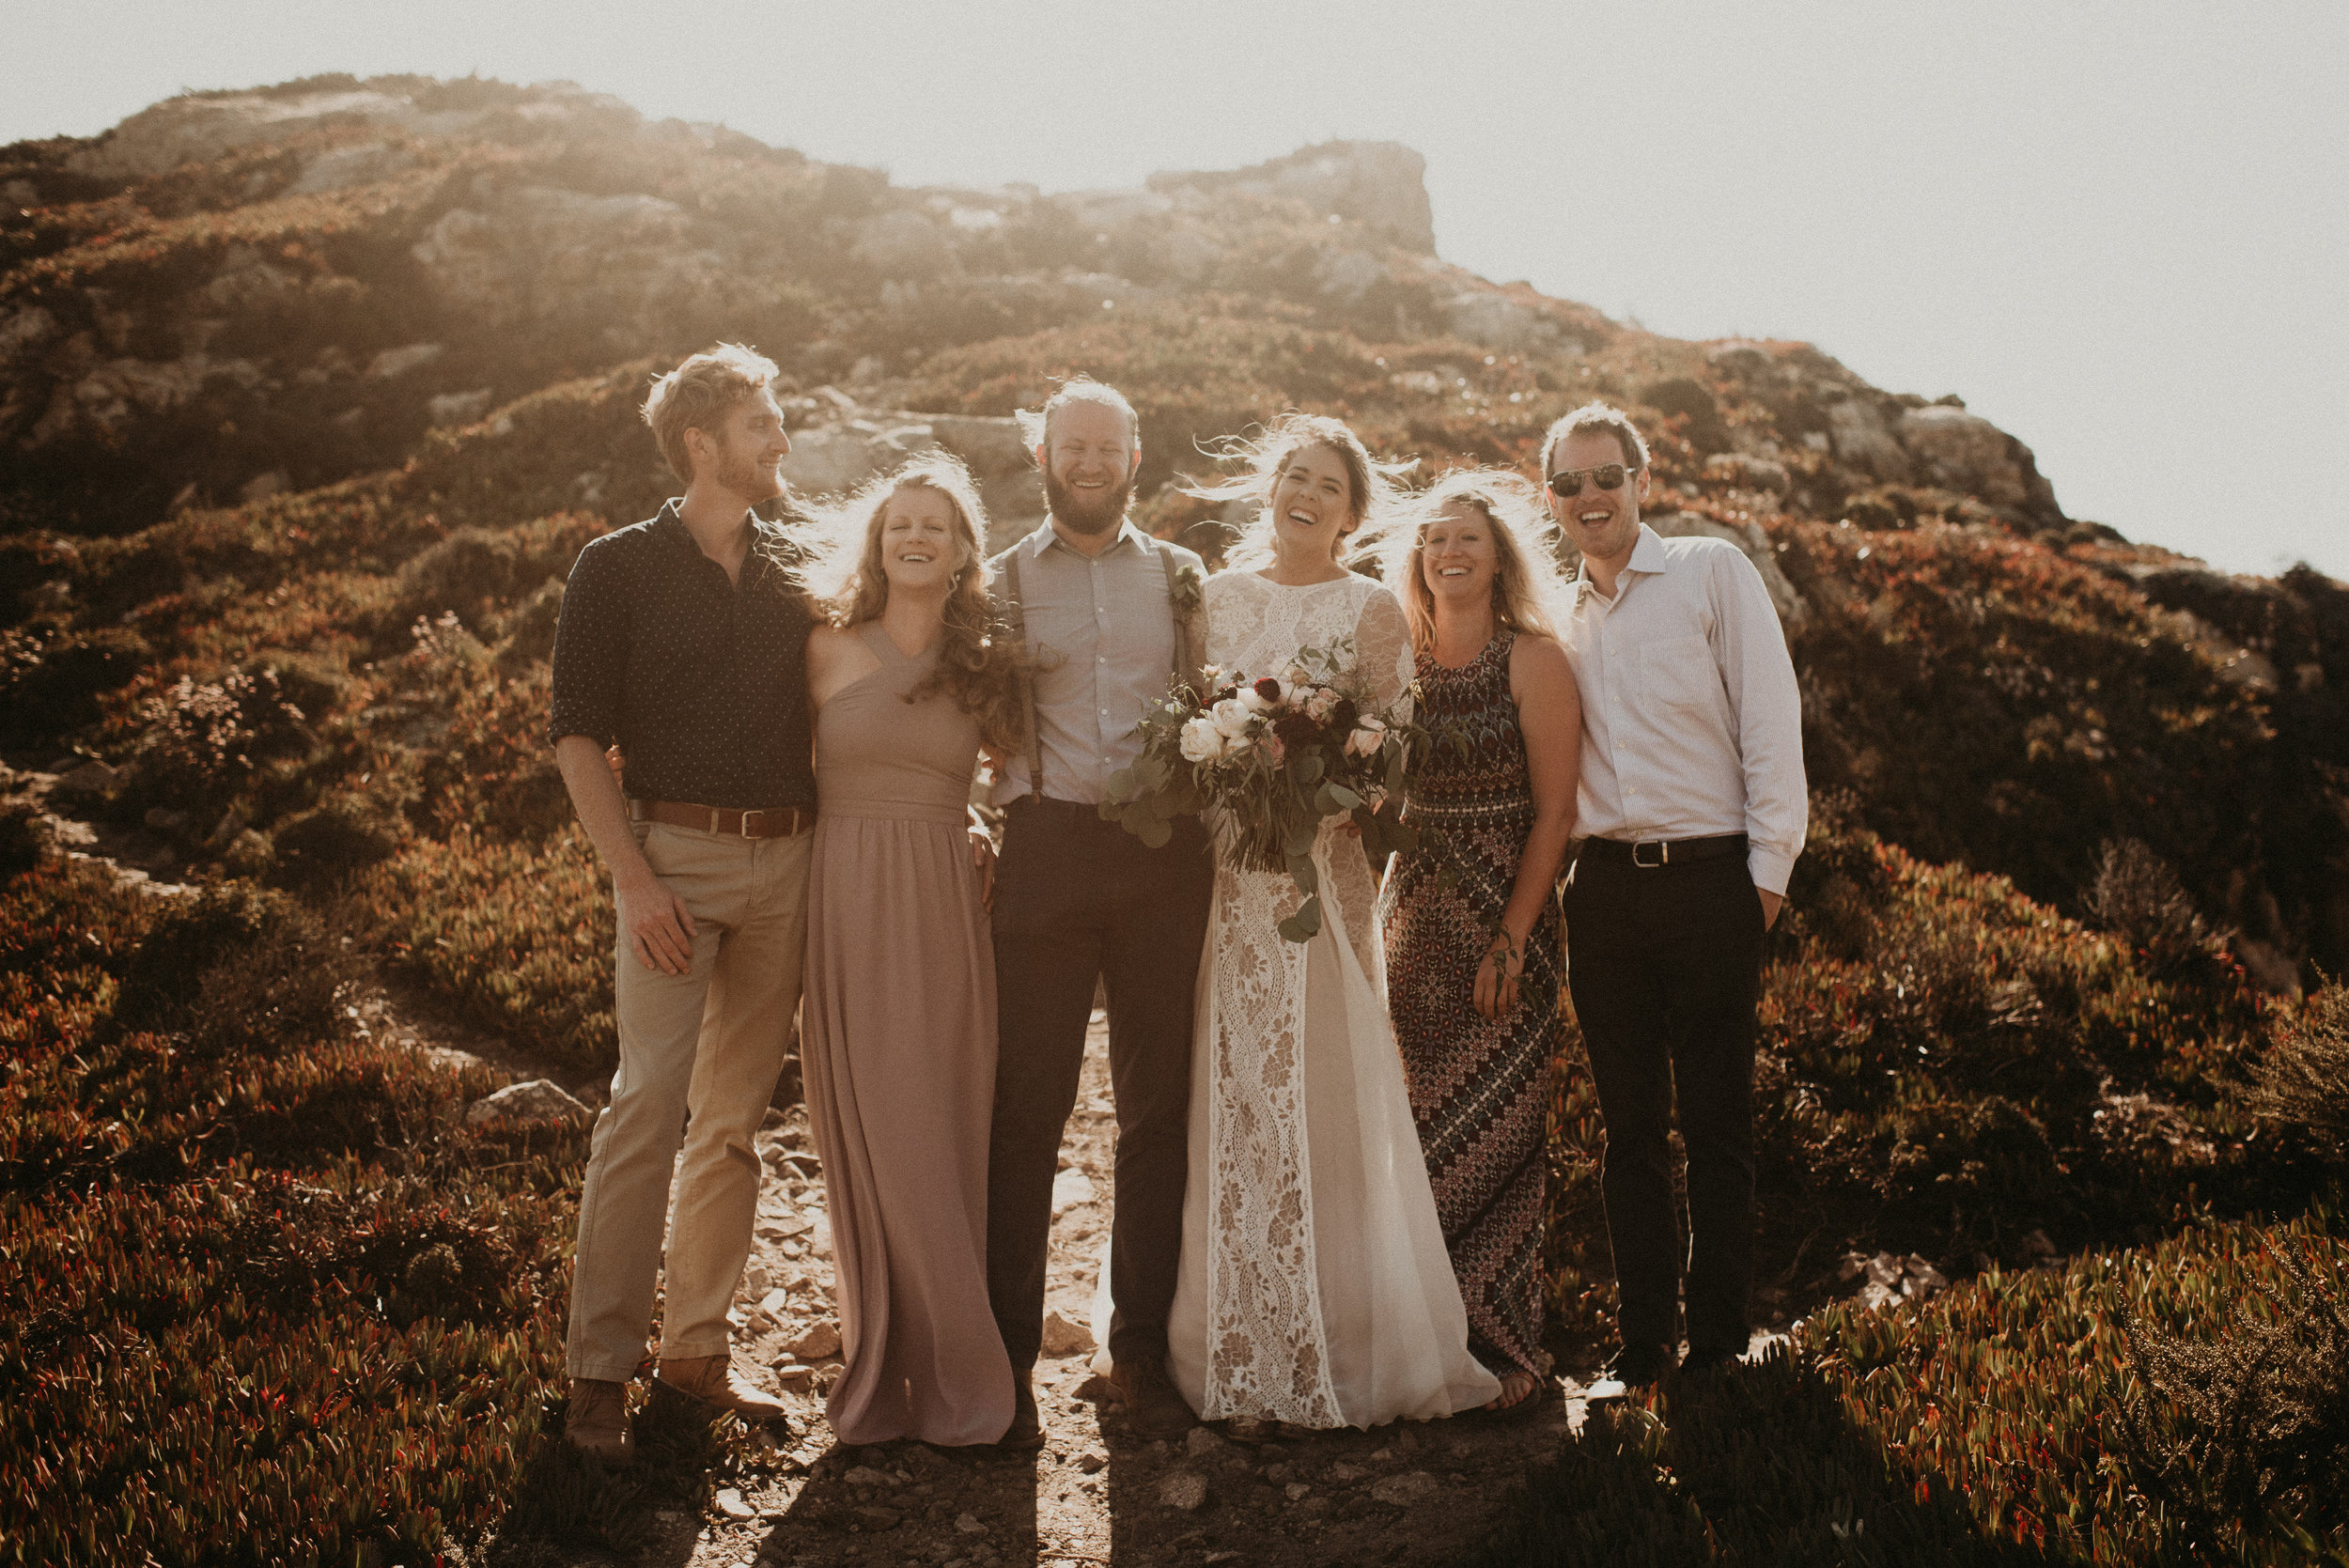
(236, 300)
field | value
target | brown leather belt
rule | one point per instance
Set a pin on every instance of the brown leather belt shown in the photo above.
(775, 822)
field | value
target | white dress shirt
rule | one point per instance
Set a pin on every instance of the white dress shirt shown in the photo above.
(1691, 720)
(1102, 629)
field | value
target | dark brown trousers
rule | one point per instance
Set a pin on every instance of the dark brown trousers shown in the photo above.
(1079, 900)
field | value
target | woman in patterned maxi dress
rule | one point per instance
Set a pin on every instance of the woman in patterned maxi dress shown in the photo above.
(1471, 931)
(1314, 1287)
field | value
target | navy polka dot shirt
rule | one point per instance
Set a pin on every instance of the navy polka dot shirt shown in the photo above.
(702, 682)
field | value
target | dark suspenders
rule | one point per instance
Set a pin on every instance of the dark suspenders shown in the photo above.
(1015, 617)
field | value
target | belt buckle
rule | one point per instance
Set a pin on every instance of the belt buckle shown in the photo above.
(1663, 854)
(745, 830)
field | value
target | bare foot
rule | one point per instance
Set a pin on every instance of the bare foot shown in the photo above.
(1517, 1386)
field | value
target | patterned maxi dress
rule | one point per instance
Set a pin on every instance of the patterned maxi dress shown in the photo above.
(1479, 1086)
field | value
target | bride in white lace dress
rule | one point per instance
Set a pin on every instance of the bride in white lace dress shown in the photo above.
(1314, 1286)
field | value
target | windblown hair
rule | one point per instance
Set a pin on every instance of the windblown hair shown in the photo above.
(699, 394)
(1522, 580)
(978, 666)
(1596, 417)
(1373, 498)
(1036, 423)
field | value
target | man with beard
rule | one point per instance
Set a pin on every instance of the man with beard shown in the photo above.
(684, 641)
(1108, 615)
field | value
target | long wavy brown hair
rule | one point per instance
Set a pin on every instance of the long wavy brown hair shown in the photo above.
(1260, 461)
(1524, 575)
(979, 665)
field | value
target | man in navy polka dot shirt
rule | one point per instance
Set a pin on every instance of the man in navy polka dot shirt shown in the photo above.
(683, 640)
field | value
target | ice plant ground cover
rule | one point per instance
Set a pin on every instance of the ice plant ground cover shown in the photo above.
(295, 468)
(1270, 758)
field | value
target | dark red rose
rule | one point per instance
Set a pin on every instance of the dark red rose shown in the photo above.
(1296, 729)
(1344, 717)
(1268, 689)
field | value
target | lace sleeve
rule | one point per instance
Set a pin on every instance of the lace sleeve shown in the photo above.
(1382, 641)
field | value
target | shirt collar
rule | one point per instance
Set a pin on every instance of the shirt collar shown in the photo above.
(671, 527)
(1047, 537)
(1647, 555)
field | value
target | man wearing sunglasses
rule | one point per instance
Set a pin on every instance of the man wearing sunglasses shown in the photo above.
(1694, 800)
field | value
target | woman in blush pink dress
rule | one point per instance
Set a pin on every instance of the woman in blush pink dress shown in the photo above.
(898, 1028)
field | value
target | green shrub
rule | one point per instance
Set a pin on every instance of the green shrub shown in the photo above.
(345, 834)
(2266, 1412)
(1990, 1425)
(235, 969)
(257, 1303)
(51, 681)
(2302, 1082)
(519, 936)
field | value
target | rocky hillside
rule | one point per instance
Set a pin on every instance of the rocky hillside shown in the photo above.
(282, 371)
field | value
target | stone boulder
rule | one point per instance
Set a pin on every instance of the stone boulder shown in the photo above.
(1963, 452)
(541, 1099)
(839, 448)
(1492, 319)
(1747, 472)
(1380, 185)
(193, 129)
(1860, 439)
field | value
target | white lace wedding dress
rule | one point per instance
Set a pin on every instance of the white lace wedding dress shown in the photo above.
(1315, 1287)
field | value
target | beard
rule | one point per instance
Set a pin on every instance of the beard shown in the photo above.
(743, 474)
(1087, 514)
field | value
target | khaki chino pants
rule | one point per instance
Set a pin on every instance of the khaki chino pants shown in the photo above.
(699, 1056)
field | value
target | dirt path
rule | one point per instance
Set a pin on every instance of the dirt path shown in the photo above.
(1406, 1493)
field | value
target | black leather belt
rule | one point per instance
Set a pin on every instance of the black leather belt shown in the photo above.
(1654, 854)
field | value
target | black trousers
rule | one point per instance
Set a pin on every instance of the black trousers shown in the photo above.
(1077, 900)
(1664, 965)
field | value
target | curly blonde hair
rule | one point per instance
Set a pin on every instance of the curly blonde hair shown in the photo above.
(1373, 493)
(978, 665)
(1523, 577)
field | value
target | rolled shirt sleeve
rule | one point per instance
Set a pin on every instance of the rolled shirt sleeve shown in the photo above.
(591, 641)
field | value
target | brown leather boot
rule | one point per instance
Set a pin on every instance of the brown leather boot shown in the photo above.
(711, 1380)
(1152, 1404)
(597, 1424)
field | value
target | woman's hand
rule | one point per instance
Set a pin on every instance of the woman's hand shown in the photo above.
(1496, 977)
(983, 861)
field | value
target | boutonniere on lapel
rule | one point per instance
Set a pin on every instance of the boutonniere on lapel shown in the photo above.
(1187, 592)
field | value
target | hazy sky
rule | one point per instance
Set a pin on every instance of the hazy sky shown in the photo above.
(2116, 230)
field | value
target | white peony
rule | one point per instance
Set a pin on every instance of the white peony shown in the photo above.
(1230, 717)
(1201, 741)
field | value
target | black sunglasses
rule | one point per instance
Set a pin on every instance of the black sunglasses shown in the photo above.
(1567, 482)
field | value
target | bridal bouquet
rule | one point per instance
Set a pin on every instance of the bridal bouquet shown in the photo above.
(1268, 757)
